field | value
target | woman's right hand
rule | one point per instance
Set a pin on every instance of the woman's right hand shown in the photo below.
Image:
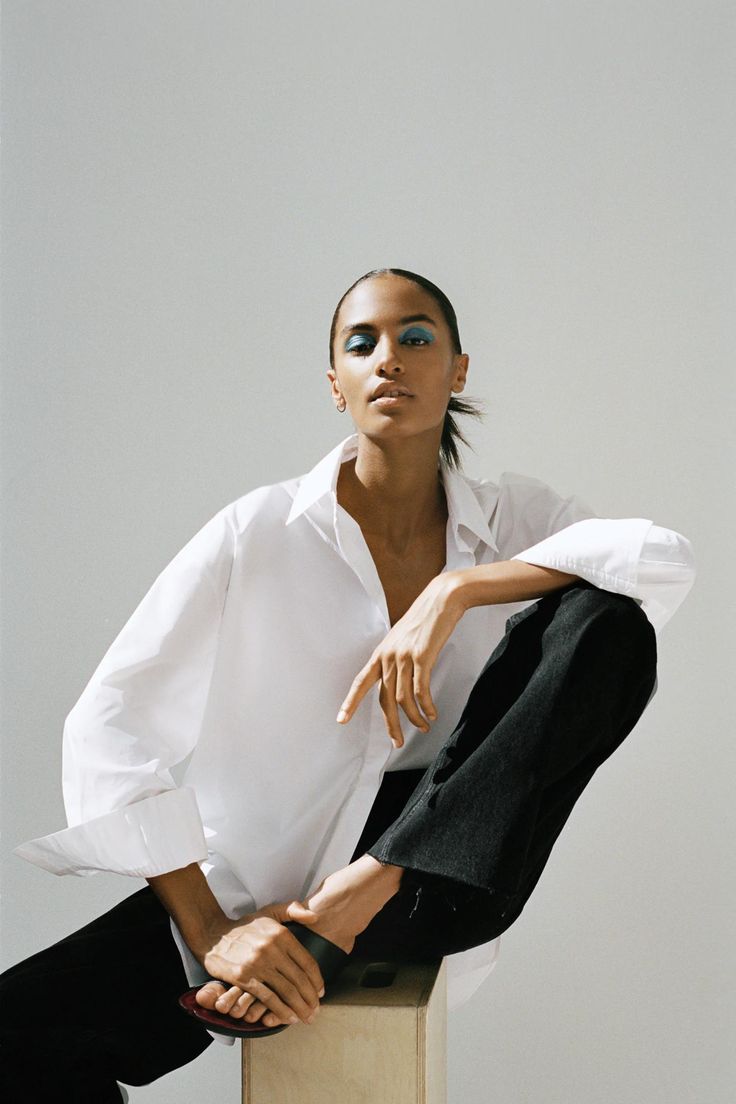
(263, 967)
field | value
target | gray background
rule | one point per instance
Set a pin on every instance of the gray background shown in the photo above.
(188, 188)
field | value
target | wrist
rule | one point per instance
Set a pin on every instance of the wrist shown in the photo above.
(458, 590)
(203, 937)
(187, 897)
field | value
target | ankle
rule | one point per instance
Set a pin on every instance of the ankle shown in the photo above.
(386, 872)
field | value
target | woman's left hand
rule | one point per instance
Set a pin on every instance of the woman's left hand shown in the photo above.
(405, 657)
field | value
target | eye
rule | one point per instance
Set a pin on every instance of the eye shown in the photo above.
(418, 335)
(360, 348)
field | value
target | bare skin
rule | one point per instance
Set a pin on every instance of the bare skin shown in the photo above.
(391, 488)
(391, 336)
(341, 907)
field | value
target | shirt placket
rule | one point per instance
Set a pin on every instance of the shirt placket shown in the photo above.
(354, 550)
(352, 547)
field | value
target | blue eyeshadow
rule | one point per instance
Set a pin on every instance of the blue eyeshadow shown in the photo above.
(358, 340)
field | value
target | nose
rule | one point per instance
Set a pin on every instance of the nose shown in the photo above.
(388, 360)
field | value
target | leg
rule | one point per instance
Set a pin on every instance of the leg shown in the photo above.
(565, 686)
(97, 1007)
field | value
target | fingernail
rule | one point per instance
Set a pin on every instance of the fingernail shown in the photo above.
(293, 1019)
(322, 991)
(341, 715)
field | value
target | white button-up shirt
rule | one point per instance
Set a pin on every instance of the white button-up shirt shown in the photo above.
(239, 656)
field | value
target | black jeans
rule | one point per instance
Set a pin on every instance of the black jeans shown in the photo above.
(566, 684)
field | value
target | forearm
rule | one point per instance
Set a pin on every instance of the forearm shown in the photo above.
(505, 581)
(187, 898)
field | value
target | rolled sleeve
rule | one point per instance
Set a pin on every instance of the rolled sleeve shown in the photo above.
(604, 551)
(631, 556)
(149, 837)
(667, 571)
(140, 714)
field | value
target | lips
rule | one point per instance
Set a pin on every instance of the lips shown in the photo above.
(384, 392)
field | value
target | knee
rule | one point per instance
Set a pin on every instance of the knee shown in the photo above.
(590, 598)
(623, 620)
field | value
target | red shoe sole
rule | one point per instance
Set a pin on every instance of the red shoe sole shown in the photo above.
(222, 1023)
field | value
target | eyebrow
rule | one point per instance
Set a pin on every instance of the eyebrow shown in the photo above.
(402, 322)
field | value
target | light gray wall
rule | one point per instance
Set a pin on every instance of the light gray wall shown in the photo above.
(188, 188)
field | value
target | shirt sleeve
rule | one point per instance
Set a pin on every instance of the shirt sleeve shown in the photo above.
(633, 556)
(139, 715)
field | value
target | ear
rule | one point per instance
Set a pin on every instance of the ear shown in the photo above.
(335, 387)
(462, 361)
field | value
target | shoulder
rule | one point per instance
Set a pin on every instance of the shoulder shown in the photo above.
(263, 507)
(512, 490)
(519, 491)
(530, 509)
(520, 509)
(519, 483)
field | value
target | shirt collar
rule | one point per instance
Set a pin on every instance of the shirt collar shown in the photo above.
(466, 516)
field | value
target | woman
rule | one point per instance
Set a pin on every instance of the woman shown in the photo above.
(393, 682)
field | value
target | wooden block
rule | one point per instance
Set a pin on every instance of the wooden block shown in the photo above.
(380, 1038)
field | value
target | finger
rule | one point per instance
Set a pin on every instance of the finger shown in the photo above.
(300, 966)
(240, 1005)
(289, 995)
(387, 698)
(256, 1011)
(248, 1008)
(227, 1000)
(421, 689)
(272, 1001)
(358, 689)
(405, 692)
(244, 1007)
(270, 1020)
(286, 955)
(289, 975)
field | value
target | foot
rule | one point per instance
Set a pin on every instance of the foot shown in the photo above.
(344, 903)
(233, 1001)
(342, 906)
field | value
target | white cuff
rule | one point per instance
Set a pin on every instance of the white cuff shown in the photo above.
(153, 836)
(604, 551)
(667, 571)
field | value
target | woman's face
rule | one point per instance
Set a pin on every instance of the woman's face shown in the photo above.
(379, 341)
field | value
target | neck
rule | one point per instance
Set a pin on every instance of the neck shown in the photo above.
(393, 488)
